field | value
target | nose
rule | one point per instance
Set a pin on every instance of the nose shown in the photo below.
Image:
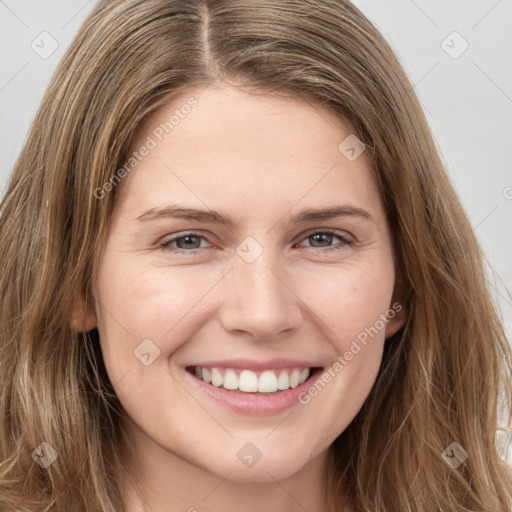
(259, 299)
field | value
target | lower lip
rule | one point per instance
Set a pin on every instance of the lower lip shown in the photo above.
(255, 404)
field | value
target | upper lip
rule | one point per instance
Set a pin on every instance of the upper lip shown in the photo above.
(251, 364)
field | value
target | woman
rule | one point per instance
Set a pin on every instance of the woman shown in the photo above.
(252, 371)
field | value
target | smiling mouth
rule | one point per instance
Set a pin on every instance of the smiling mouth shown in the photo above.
(248, 381)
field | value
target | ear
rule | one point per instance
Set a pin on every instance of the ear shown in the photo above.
(397, 314)
(83, 316)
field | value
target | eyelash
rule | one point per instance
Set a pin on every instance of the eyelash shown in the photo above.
(165, 245)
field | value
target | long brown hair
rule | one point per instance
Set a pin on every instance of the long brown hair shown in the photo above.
(443, 376)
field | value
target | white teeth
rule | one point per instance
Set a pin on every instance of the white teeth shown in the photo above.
(216, 378)
(268, 381)
(304, 374)
(294, 378)
(230, 380)
(283, 382)
(248, 381)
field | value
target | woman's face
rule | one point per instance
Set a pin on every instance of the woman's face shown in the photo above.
(218, 265)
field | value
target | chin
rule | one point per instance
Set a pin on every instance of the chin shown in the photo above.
(277, 466)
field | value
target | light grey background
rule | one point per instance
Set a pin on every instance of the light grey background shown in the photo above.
(467, 96)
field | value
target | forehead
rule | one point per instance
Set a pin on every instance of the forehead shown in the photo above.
(228, 146)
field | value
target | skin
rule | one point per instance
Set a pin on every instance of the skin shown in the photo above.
(260, 159)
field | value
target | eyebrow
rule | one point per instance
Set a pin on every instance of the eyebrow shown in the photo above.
(213, 217)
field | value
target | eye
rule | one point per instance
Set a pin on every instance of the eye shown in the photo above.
(326, 236)
(187, 243)
(190, 243)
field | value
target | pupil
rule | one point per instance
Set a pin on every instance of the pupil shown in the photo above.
(187, 240)
(316, 237)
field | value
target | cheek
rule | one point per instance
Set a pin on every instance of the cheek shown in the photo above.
(351, 309)
(137, 304)
(348, 300)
